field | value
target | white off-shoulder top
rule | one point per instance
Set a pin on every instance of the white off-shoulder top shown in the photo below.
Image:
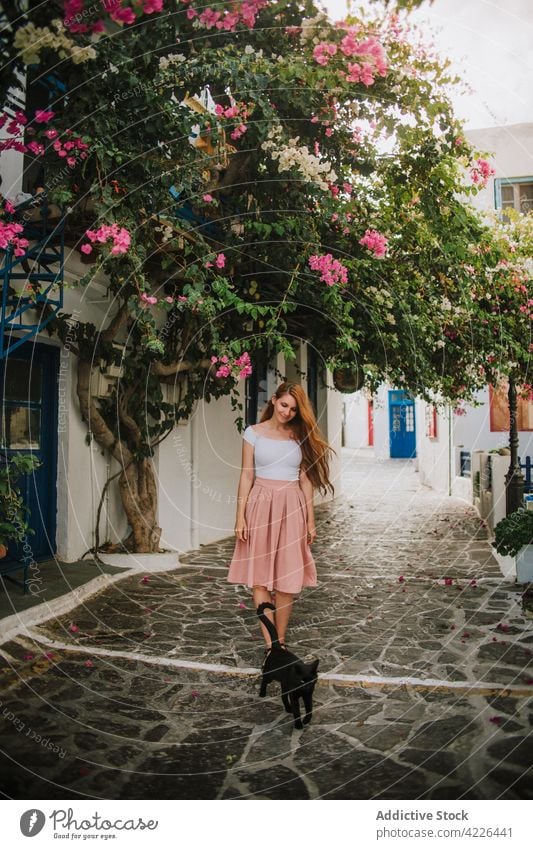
(275, 459)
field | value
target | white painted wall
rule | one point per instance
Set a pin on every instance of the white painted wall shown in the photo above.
(333, 412)
(511, 149)
(82, 469)
(381, 423)
(472, 431)
(433, 454)
(218, 451)
(356, 420)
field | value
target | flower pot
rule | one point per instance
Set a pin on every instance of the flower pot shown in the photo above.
(3, 550)
(524, 565)
(348, 379)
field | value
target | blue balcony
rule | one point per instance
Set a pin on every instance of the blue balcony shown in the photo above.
(32, 284)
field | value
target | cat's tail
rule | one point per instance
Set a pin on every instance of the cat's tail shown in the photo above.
(271, 628)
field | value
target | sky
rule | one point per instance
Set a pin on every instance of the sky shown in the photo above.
(490, 43)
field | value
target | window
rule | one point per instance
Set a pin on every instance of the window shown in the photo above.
(499, 410)
(515, 193)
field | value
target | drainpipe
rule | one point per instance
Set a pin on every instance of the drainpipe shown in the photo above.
(450, 446)
(194, 497)
(108, 469)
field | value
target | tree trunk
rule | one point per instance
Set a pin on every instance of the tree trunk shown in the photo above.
(138, 491)
(137, 486)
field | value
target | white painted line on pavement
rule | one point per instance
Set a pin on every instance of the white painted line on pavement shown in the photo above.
(330, 677)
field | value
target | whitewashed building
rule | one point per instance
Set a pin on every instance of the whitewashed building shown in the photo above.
(197, 467)
(450, 450)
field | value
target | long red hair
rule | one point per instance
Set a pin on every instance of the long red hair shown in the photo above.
(315, 449)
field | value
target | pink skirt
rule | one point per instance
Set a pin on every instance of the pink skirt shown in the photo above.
(276, 554)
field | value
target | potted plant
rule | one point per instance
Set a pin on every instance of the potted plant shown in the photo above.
(348, 379)
(514, 537)
(13, 512)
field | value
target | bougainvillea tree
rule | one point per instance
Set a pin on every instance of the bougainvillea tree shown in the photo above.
(247, 175)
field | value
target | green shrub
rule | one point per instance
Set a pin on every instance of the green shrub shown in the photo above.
(514, 532)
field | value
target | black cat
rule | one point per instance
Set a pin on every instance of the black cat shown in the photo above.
(297, 678)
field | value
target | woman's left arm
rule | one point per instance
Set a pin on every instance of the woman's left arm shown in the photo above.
(307, 489)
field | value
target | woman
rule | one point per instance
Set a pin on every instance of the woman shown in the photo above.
(275, 523)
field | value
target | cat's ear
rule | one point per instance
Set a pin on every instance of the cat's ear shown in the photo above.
(314, 666)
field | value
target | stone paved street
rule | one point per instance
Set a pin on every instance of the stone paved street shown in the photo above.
(149, 688)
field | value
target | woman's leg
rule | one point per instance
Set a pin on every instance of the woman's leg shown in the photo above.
(260, 595)
(284, 603)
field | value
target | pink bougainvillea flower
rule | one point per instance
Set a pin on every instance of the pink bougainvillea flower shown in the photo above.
(448, 582)
(8, 206)
(481, 172)
(367, 74)
(195, 694)
(323, 52)
(36, 148)
(374, 242)
(208, 198)
(223, 371)
(169, 299)
(122, 15)
(220, 261)
(88, 664)
(241, 605)
(86, 248)
(331, 270)
(73, 628)
(148, 299)
(401, 579)
(119, 235)
(27, 657)
(145, 579)
(151, 6)
(42, 116)
(354, 73)
(49, 655)
(50, 133)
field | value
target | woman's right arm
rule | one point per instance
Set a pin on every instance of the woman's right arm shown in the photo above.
(246, 481)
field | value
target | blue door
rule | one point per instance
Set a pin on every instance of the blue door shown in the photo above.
(28, 425)
(402, 431)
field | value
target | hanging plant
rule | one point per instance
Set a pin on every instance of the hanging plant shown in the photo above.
(348, 379)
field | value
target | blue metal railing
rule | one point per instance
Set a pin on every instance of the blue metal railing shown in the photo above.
(42, 270)
(527, 466)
